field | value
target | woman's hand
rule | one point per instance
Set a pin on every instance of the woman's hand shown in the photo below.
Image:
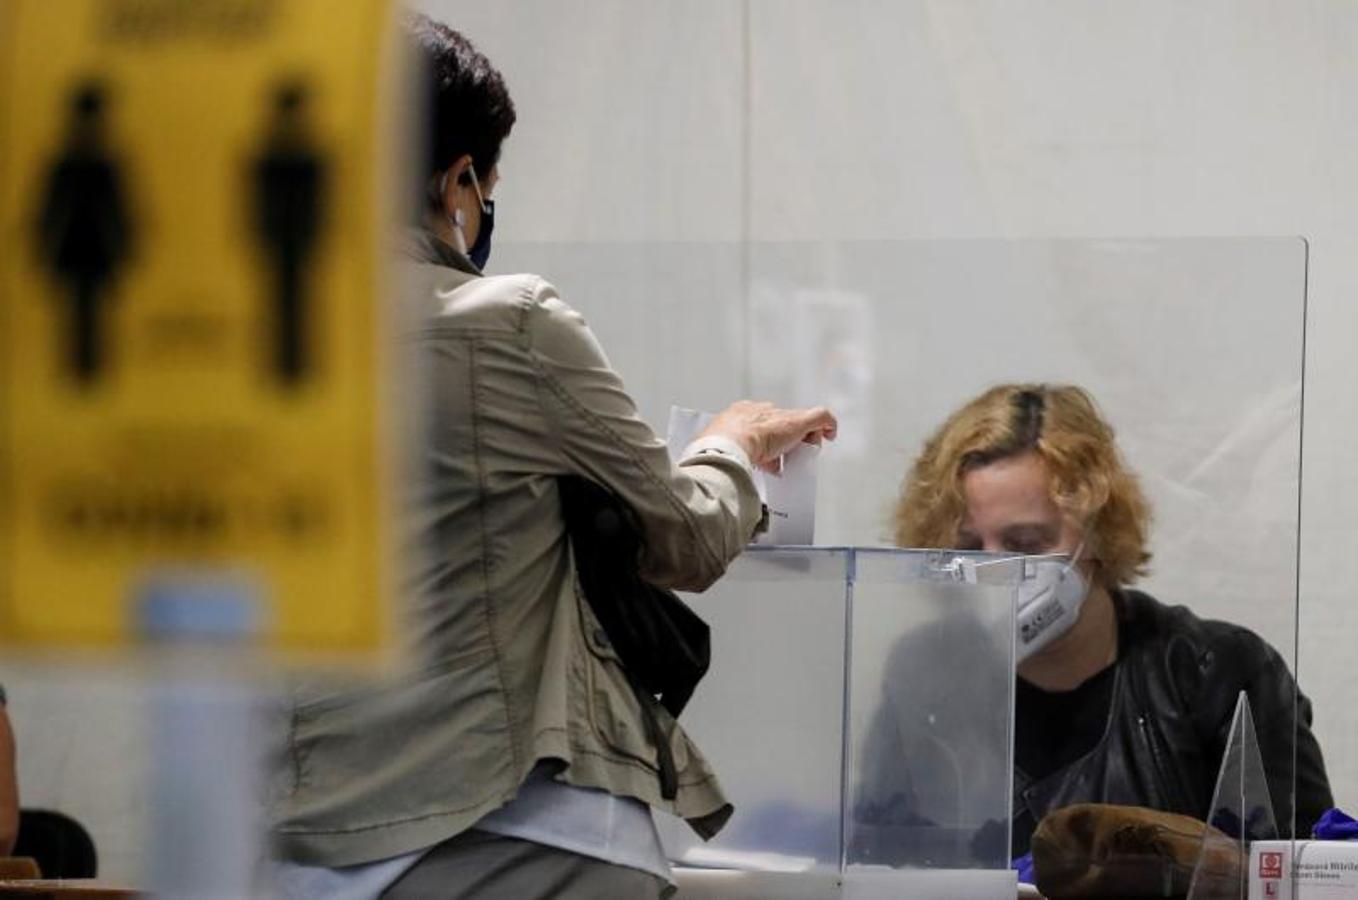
(766, 432)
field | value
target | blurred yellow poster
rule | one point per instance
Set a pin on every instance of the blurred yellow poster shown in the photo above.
(189, 329)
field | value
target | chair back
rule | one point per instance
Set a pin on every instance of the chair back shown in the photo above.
(60, 844)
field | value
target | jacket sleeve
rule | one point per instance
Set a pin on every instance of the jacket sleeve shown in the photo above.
(1264, 676)
(1313, 784)
(697, 516)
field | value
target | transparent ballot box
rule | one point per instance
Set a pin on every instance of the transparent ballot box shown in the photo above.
(859, 713)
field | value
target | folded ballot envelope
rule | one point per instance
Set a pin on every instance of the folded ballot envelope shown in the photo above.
(1303, 870)
(790, 494)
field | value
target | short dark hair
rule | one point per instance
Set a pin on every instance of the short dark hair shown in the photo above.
(468, 107)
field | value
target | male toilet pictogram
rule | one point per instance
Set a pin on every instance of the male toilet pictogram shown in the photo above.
(288, 215)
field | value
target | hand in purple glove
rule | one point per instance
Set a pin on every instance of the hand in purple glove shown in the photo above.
(1336, 826)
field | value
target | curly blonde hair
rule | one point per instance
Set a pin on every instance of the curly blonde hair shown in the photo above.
(1062, 425)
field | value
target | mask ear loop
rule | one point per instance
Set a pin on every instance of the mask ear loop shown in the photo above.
(1079, 548)
(969, 570)
(476, 185)
(456, 218)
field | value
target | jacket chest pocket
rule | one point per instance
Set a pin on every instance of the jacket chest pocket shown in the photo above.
(1164, 779)
(1167, 770)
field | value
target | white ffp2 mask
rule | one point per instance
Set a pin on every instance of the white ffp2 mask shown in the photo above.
(1050, 595)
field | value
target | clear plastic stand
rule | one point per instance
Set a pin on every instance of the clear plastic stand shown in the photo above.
(1242, 812)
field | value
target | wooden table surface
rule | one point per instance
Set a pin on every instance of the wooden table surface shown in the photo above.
(83, 888)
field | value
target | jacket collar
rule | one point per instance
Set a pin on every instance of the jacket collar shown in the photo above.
(424, 246)
(1137, 614)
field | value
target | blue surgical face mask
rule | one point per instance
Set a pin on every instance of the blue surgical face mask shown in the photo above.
(478, 252)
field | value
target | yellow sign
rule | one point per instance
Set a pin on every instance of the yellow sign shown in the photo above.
(189, 328)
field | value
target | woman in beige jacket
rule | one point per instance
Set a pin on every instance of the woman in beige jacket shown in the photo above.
(515, 761)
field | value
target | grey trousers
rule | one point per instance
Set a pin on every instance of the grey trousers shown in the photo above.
(477, 865)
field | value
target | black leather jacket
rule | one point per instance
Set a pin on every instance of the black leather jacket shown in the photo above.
(1176, 685)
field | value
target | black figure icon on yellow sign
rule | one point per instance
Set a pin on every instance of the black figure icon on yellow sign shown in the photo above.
(289, 211)
(84, 231)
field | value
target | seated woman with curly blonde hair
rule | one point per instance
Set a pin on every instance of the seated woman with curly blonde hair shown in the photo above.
(1130, 701)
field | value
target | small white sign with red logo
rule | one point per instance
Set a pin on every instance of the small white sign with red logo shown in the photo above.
(1303, 870)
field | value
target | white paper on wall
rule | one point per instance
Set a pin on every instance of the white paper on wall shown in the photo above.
(814, 347)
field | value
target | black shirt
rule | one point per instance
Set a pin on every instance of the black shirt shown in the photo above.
(1054, 729)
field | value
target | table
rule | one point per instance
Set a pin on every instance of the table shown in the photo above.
(60, 888)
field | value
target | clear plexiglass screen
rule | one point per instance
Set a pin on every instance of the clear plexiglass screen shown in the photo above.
(858, 712)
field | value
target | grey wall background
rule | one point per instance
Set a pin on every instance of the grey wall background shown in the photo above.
(801, 120)
(663, 136)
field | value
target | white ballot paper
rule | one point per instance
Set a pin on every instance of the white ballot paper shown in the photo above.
(790, 495)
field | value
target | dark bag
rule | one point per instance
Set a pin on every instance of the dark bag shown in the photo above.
(664, 647)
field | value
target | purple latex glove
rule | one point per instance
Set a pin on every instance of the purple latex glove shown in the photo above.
(1336, 826)
(1024, 866)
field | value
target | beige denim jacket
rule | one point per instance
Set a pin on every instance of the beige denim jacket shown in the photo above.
(513, 668)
